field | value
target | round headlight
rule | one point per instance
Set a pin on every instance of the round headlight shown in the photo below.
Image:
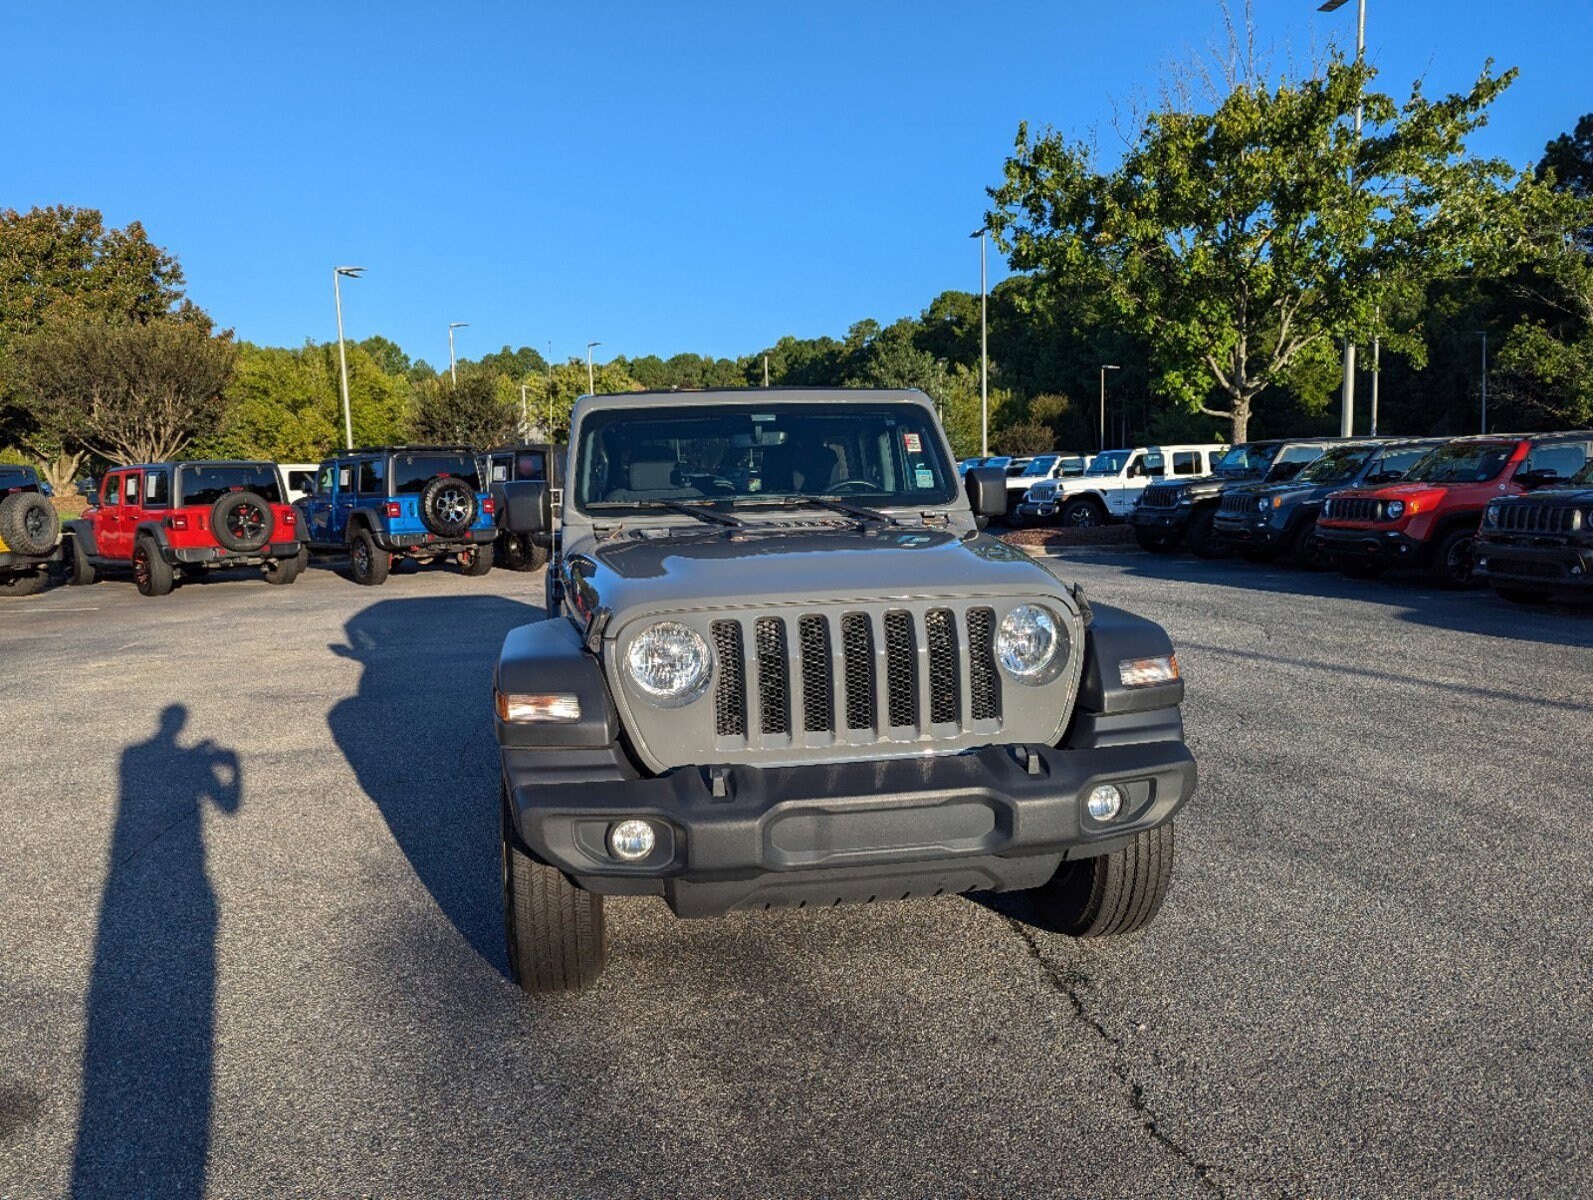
(1490, 515)
(669, 661)
(1027, 641)
(1327, 508)
(1262, 504)
(1394, 510)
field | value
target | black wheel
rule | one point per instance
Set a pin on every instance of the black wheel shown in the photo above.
(368, 561)
(520, 553)
(476, 561)
(1357, 568)
(1452, 563)
(1114, 894)
(79, 571)
(242, 521)
(151, 573)
(25, 583)
(303, 559)
(281, 570)
(28, 523)
(553, 930)
(1157, 541)
(1306, 551)
(1202, 537)
(447, 506)
(1521, 595)
(1083, 513)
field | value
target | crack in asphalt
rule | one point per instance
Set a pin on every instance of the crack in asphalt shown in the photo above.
(1068, 985)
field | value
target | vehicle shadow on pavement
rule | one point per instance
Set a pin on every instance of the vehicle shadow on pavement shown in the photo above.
(1475, 610)
(418, 734)
(144, 1127)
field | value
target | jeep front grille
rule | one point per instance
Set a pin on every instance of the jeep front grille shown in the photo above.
(1357, 508)
(881, 667)
(1536, 518)
(1159, 497)
(1237, 504)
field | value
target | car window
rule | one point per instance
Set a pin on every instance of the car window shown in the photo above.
(412, 472)
(202, 484)
(1565, 460)
(1300, 454)
(299, 481)
(157, 489)
(531, 465)
(1186, 462)
(1339, 465)
(1110, 463)
(1462, 462)
(130, 488)
(111, 497)
(371, 476)
(1246, 459)
(1399, 461)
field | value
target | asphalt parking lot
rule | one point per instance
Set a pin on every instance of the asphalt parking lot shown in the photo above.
(252, 943)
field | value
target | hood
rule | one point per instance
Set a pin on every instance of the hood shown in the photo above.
(637, 574)
(1575, 494)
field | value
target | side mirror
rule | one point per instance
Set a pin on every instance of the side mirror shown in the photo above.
(987, 491)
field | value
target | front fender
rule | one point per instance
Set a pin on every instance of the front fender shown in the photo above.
(545, 657)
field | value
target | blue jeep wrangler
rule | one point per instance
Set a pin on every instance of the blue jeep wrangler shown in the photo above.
(390, 502)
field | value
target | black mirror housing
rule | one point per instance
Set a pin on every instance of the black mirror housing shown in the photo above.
(987, 491)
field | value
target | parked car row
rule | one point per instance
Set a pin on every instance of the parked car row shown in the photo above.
(167, 523)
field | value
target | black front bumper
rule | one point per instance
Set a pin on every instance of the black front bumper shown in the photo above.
(1371, 545)
(1545, 564)
(193, 556)
(999, 818)
(1161, 520)
(1243, 531)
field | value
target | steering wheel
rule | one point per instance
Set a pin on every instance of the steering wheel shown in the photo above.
(866, 485)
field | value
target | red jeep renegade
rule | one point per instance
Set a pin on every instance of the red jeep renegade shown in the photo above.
(167, 522)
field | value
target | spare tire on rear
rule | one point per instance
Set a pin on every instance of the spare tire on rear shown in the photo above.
(447, 506)
(242, 521)
(28, 523)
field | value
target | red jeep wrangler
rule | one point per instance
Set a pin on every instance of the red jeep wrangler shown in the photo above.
(170, 521)
(1430, 517)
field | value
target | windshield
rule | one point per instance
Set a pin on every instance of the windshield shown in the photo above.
(1338, 465)
(1040, 466)
(411, 472)
(1462, 462)
(879, 454)
(1109, 463)
(205, 483)
(1246, 460)
(1585, 475)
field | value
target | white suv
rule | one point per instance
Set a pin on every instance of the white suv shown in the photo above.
(1112, 483)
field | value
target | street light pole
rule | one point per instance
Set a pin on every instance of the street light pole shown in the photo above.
(984, 349)
(549, 361)
(1347, 405)
(453, 370)
(591, 383)
(1105, 367)
(342, 356)
(1484, 333)
(525, 421)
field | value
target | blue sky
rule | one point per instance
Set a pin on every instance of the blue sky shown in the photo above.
(702, 177)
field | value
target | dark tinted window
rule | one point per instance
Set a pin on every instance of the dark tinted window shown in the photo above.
(371, 477)
(112, 494)
(1338, 465)
(157, 489)
(1565, 459)
(531, 465)
(1397, 462)
(1246, 460)
(1462, 462)
(411, 472)
(205, 483)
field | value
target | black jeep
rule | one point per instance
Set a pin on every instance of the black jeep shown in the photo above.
(30, 531)
(525, 481)
(1539, 546)
(1172, 512)
(1265, 521)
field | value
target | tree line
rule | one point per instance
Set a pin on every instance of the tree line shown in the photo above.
(1218, 267)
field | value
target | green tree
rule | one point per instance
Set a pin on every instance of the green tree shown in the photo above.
(471, 412)
(1238, 240)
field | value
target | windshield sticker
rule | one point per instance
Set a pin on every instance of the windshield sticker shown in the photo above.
(913, 442)
(925, 477)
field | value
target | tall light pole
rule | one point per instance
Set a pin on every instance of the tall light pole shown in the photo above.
(342, 356)
(525, 421)
(549, 361)
(1105, 367)
(984, 350)
(591, 383)
(1484, 334)
(1347, 404)
(453, 369)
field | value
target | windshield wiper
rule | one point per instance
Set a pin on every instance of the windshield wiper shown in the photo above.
(686, 508)
(831, 503)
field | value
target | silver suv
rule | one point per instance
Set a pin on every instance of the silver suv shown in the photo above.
(782, 666)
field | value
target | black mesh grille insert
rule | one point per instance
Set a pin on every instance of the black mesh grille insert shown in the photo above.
(818, 704)
(730, 696)
(857, 643)
(982, 679)
(940, 630)
(774, 692)
(901, 669)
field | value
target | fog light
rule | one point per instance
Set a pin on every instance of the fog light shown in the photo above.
(1105, 802)
(631, 840)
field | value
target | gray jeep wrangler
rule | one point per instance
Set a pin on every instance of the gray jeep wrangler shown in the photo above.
(783, 666)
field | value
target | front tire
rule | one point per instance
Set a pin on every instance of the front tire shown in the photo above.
(25, 583)
(476, 561)
(1306, 552)
(152, 574)
(1202, 536)
(1452, 560)
(1113, 894)
(554, 931)
(79, 570)
(1083, 514)
(281, 571)
(368, 562)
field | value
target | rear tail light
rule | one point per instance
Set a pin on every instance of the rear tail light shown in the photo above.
(394, 508)
(487, 506)
(177, 521)
(287, 518)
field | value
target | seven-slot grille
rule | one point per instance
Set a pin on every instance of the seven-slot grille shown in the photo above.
(1536, 518)
(1238, 504)
(860, 674)
(1160, 497)
(1356, 508)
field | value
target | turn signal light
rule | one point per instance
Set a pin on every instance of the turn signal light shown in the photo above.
(394, 508)
(1146, 672)
(488, 507)
(177, 521)
(555, 707)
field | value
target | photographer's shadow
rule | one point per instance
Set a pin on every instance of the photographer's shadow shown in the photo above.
(144, 1127)
(419, 736)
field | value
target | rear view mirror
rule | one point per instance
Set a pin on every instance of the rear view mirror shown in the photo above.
(987, 491)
